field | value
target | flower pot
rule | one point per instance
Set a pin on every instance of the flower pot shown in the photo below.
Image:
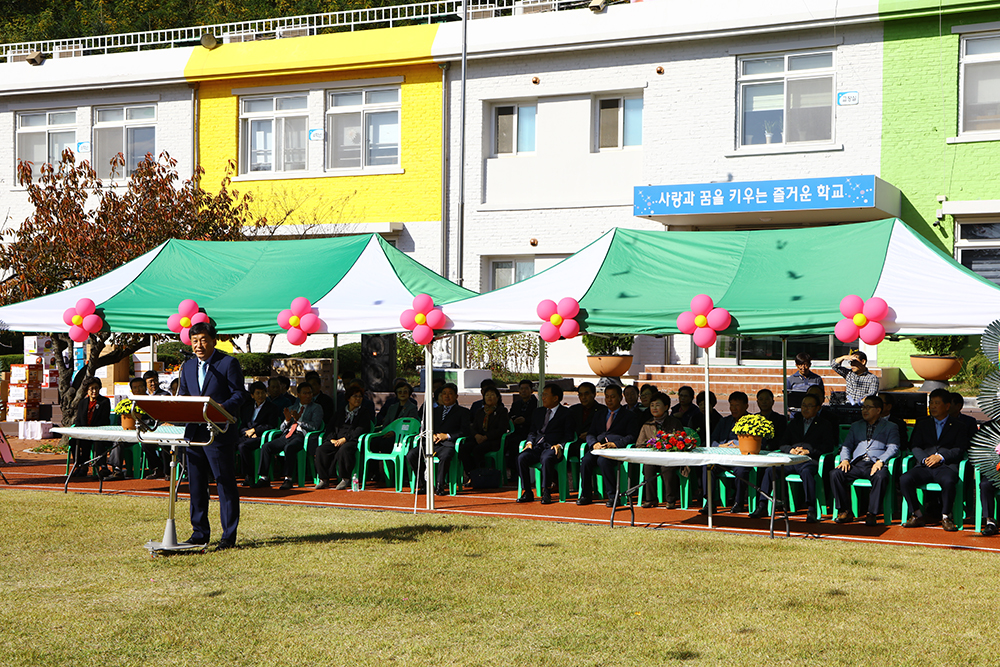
(768, 137)
(937, 368)
(750, 444)
(128, 421)
(610, 366)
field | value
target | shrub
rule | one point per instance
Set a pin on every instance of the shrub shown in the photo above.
(256, 363)
(941, 346)
(504, 354)
(409, 355)
(7, 359)
(607, 345)
(172, 353)
(974, 372)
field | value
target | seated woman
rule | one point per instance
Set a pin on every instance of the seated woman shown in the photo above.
(489, 423)
(659, 421)
(686, 410)
(339, 451)
(401, 408)
(92, 410)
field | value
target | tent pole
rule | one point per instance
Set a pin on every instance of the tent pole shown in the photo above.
(708, 440)
(541, 365)
(429, 423)
(336, 371)
(784, 375)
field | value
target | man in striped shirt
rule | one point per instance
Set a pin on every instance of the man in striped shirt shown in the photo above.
(861, 383)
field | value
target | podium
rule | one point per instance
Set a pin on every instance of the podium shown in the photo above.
(178, 410)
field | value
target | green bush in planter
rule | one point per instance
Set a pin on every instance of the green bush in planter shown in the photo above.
(607, 345)
(939, 346)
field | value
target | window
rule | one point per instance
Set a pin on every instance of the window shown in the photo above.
(510, 271)
(514, 129)
(43, 136)
(273, 133)
(130, 131)
(362, 128)
(619, 122)
(980, 96)
(768, 348)
(786, 99)
(977, 247)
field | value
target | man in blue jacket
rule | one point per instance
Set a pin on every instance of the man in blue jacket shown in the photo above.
(868, 447)
(212, 373)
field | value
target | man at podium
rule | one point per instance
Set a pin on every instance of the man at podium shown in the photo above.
(212, 373)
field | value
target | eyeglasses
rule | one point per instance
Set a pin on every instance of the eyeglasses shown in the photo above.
(869, 407)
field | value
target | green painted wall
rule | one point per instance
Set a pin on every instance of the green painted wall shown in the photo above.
(920, 111)
(889, 9)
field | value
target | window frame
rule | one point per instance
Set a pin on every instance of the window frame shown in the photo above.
(963, 61)
(125, 124)
(786, 75)
(514, 260)
(278, 118)
(961, 244)
(596, 110)
(494, 135)
(47, 130)
(365, 109)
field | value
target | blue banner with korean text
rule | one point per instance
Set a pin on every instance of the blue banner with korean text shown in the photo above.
(800, 194)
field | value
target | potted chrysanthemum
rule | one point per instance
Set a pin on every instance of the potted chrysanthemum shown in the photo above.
(751, 431)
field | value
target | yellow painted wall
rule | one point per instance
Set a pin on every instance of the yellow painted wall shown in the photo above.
(412, 196)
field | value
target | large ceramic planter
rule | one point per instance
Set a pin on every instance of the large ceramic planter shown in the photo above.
(932, 367)
(750, 444)
(610, 366)
(128, 421)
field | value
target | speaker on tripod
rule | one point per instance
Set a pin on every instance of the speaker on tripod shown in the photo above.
(378, 361)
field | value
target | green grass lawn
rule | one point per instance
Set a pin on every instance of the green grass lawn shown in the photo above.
(320, 586)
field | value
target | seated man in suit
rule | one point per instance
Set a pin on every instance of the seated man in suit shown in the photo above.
(714, 416)
(723, 436)
(824, 414)
(450, 422)
(277, 392)
(686, 410)
(582, 414)
(152, 380)
(807, 435)
(521, 411)
(659, 421)
(92, 410)
(939, 443)
(887, 403)
(551, 429)
(256, 417)
(869, 446)
(765, 406)
(339, 452)
(301, 418)
(630, 394)
(324, 401)
(402, 407)
(612, 427)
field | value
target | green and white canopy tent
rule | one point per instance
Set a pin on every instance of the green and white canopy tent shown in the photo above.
(357, 284)
(777, 282)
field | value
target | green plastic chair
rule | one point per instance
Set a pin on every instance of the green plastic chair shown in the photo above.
(561, 475)
(958, 509)
(890, 492)
(497, 458)
(454, 475)
(824, 500)
(303, 462)
(404, 429)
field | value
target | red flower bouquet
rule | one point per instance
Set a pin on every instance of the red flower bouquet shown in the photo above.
(676, 441)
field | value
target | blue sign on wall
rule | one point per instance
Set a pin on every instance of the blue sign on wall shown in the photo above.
(801, 194)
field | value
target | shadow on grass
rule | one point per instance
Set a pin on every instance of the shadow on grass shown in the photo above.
(395, 535)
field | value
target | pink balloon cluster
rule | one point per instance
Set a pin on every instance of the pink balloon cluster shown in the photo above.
(82, 320)
(299, 320)
(559, 322)
(423, 319)
(187, 315)
(862, 318)
(704, 321)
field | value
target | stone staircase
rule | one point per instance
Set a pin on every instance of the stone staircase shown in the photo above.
(727, 379)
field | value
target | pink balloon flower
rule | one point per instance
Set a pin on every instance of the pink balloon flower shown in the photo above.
(423, 319)
(299, 321)
(559, 319)
(187, 316)
(704, 321)
(862, 318)
(82, 320)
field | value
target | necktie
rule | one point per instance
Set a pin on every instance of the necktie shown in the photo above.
(611, 418)
(202, 372)
(545, 424)
(444, 413)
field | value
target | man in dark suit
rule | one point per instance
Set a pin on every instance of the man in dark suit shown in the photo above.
(450, 422)
(582, 414)
(971, 425)
(256, 417)
(92, 410)
(887, 403)
(938, 444)
(212, 373)
(870, 443)
(551, 428)
(807, 435)
(521, 411)
(319, 398)
(765, 406)
(612, 427)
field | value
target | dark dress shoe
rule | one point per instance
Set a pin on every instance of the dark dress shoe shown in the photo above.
(811, 516)
(670, 504)
(737, 509)
(584, 500)
(343, 485)
(225, 544)
(610, 503)
(648, 504)
(156, 474)
(760, 512)
(547, 498)
(197, 539)
(247, 483)
(871, 519)
(948, 525)
(261, 484)
(526, 497)
(989, 529)
(704, 510)
(844, 517)
(915, 522)
(441, 491)
(287, 484)
(322, 484)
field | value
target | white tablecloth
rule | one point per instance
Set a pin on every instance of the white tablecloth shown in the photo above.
(726, 456)
(165, 434)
